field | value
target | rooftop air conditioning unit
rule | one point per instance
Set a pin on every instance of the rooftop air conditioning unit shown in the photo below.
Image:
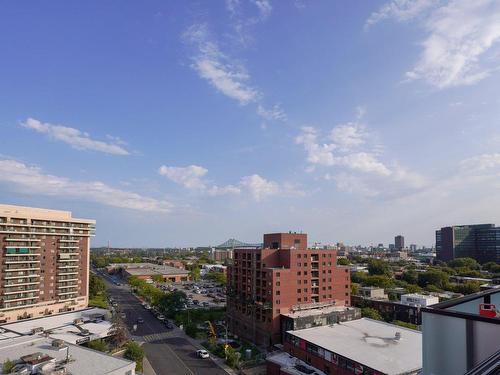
(36, 330)
(57, 343)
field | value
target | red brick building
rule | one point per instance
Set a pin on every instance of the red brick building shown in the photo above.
(283, 274)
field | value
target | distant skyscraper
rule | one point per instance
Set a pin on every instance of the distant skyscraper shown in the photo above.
(413, 247)
(481, 242)
(399, 242)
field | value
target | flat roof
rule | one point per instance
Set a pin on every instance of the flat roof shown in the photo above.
(160, 270)
(83, 361)
(371, 343)
(24, 327)
(318, 311)
(288, 363)
(40, 214)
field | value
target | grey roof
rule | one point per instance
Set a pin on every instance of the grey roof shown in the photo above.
(233, 243)
(371, 343)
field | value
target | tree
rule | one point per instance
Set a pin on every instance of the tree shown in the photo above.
(354, 288)
(191, 330)
(157, 278)
(411, 288)
(171, 303)
(194, 273)
(358, 277)
(134, 352)
(342, 261)
(98, 345)
(368, 312)
(219, 277)
(434, 277)
(96, 286)
(492, 267)
(120, 333)
(232, 357)
(464, 262)
(468, 287)
(410, 276)
(378, 267)
(381, 281)
(8, 365)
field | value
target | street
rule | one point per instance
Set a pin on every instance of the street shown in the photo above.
(168, 351)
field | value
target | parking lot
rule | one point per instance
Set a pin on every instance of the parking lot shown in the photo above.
(201, 294)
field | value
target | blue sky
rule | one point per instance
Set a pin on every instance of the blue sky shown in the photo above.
(186, 123)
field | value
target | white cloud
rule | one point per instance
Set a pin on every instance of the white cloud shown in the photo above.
(225, 75)
(348, 136)
(460, 34)
(400, 10)
(363, 162)
(350, 150)
(275, 113)
(481, 162)
(259, 187)
(340, 151)
(191, 177)
(76, 138)
(33, 181)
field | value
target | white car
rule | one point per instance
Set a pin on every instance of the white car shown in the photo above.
(202, 354)
(161, 317)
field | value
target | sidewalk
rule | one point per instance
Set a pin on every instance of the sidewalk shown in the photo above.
(197, 344)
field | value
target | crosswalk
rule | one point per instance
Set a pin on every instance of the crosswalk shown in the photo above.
(156, 337)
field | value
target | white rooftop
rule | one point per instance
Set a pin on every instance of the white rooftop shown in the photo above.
(24, 327)
(288, 363)
(83, 361)
(371, 343)
(318, 311)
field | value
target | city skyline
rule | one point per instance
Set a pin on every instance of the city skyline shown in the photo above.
(186, 124)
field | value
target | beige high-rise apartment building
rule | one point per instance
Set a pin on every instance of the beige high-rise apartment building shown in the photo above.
(44, 266)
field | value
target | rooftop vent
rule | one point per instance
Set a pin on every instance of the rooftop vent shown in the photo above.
(397, 336)
(57, 343)
(78, 321)
(36, 330)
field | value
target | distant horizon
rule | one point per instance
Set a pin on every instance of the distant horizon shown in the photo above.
(187, 123)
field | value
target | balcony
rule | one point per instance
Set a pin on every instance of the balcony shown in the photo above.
(68, 247)
(69, 272)
(23, 261)
(9, 285)
(22, 239)
(20, 291)
(29, 275)
(68, 260)
(18, 269)
(16, 298)
(68, 241)
(68, 286)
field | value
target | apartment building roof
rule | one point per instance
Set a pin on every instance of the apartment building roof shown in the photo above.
(384, 347)
(41, 351)
(62, 326)
(40, 213)
(156, 270)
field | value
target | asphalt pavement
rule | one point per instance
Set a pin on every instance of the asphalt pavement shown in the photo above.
(168, 351)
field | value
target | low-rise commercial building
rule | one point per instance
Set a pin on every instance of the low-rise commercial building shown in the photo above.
(74, 327)
(361, 346)
(372, 292)
(390, 310)
(419, 300)
(41, 355)
(146, 271)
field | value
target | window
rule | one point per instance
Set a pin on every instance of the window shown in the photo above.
(278, 293)
(299, 264)
(277, 274)
(278, 301)
(299, 291)
(277, 283)
(298, 273)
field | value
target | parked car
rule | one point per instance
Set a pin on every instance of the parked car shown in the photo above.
(202, 353)
(205, 304)
(147, 307)
(123, 315)
(168, 324)
(161, 317)
(196, 302)
(140, 320)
